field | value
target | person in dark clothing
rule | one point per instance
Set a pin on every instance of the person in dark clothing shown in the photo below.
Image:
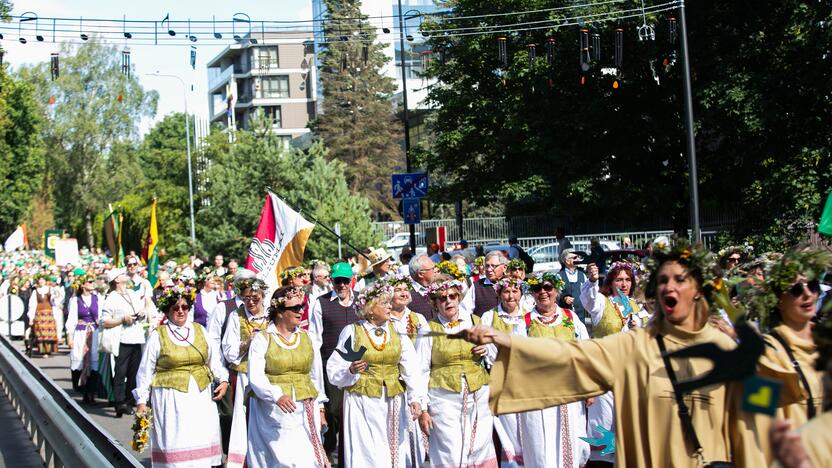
(573, 277)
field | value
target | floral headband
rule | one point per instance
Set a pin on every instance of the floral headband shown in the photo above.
(291, 294)
(171, 296)
(510, 282)
(398, 278)
(255, 284)
(516, 264)
(449, 268)
(373, 291)
(699, 261)
(637, 269)
(745, 250)
(540, 278)
(435, 288)
(479, 261)
(292, 272)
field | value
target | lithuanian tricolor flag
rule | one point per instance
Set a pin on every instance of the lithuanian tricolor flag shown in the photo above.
(150, 253)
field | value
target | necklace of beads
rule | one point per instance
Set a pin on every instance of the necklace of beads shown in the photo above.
(452, 324)
(295, 337)
(177, 335)
(376, 347)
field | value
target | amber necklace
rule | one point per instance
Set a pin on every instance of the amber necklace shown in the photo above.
(295, 336)
(383, 344)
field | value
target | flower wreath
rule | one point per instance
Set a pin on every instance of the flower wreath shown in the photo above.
(699, 261)
(761, 300)
(636, 268)
(479, 261)
(255, 284)
(397, 278)
(506, 282)
(293, 292)
(81, 279)
(292, 272)
(373, 291)
(540, 278)
(172, 295)
(516, 264)
(438, 286)
(449, 268)
(745, 250)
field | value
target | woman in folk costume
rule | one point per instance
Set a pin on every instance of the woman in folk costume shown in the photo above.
(206, 299)
(457, 418)
(509, 316)
(408, 324)
(82, 337)
(376, 385)
(786, 304)
(42, 318)
(286, 375)
(552, 436)
(611, 309)
(297, 277)
(650, 428)
(240, 331)
(175, 376)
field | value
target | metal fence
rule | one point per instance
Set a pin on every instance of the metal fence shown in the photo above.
(637, 239)
(62, 432)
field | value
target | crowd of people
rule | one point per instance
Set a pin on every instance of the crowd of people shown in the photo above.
(454, 361)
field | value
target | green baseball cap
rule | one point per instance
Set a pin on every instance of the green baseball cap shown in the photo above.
(341, 270)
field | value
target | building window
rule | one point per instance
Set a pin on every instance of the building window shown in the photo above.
(267, 58)
(274, 87)
(274, 114)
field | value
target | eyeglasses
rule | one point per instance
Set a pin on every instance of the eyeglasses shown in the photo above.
(132, 263)
(797, 289)
(251, 298)
(733, 259)
(493, 266)
(298, 308)
(322, 277)
(182, 307)
(341, 280)
(89, 282)
(542, 287)
(448, 297)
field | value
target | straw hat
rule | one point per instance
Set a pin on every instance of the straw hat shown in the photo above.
(378, 256)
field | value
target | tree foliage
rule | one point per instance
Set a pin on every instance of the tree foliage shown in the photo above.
(96, 109)
(22, 152)
(529, 134)
(310, 181)
(358, 124)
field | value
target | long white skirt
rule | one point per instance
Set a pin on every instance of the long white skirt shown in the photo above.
(543, 433)
(283, 440)
(417, 441)
(509, 430)
(601, 413)
(76, 354)
(461, 439)
(374, 434)
(186, 428)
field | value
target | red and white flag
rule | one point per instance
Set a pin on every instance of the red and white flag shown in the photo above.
(279, 242)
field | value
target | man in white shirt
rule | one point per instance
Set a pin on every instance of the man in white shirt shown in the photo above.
(123, 309)
(142, 287)
(482, 296)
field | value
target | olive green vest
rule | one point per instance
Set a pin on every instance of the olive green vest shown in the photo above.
(451, 360)
(291, 368)
(177, 364)
(501, 325)
(611, 322)
(383, 366)
(245, 333)
(559, 331)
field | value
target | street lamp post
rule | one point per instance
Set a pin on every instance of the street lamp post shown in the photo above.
(188, 146)
(405, 115)
(689, 131)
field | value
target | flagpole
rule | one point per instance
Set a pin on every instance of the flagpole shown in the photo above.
(312, 218)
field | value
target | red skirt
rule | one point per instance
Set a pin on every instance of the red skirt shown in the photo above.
(45, 330)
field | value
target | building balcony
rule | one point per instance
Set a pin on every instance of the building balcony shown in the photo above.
(220, 79)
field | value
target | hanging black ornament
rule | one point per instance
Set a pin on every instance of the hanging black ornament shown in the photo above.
(53, 66)
(502, 53)
(365, 53)
(671, 30)
(596, 47)
(532, 48)
(125, 62)
(619, 47)
(344, 57)
(550, 51)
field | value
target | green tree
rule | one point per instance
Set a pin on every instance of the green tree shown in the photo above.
(358, 124)
(96, 108)
(22, 151)
(5, 8)
(529, 134)
(238, 177)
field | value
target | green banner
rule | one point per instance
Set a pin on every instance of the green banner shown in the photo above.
(49, 238)
(825, 225)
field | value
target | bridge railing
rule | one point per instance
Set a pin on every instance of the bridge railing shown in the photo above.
(62, 432)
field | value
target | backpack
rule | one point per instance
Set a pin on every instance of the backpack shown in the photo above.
(527, 259)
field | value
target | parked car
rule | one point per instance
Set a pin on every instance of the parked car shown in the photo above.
(401, 240)
(547, 258)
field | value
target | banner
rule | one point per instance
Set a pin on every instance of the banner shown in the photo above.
(825, 225)
(280, 240)
(50, 236)
(66, 252)
(150, 254)
(112, 237)
(16, 240)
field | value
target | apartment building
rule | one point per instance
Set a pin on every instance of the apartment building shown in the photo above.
(270, 70)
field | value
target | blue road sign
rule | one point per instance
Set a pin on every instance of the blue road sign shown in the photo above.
(411, 185)
(412, 210)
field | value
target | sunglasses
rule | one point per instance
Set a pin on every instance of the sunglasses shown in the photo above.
(251, 298)
(295, 308)
(132, 263)
(341, 280)
(542, 287)
(448, 297)
(182, 307)
(797, 289)
(89, 281)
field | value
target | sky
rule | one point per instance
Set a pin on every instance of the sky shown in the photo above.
(173, 60)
